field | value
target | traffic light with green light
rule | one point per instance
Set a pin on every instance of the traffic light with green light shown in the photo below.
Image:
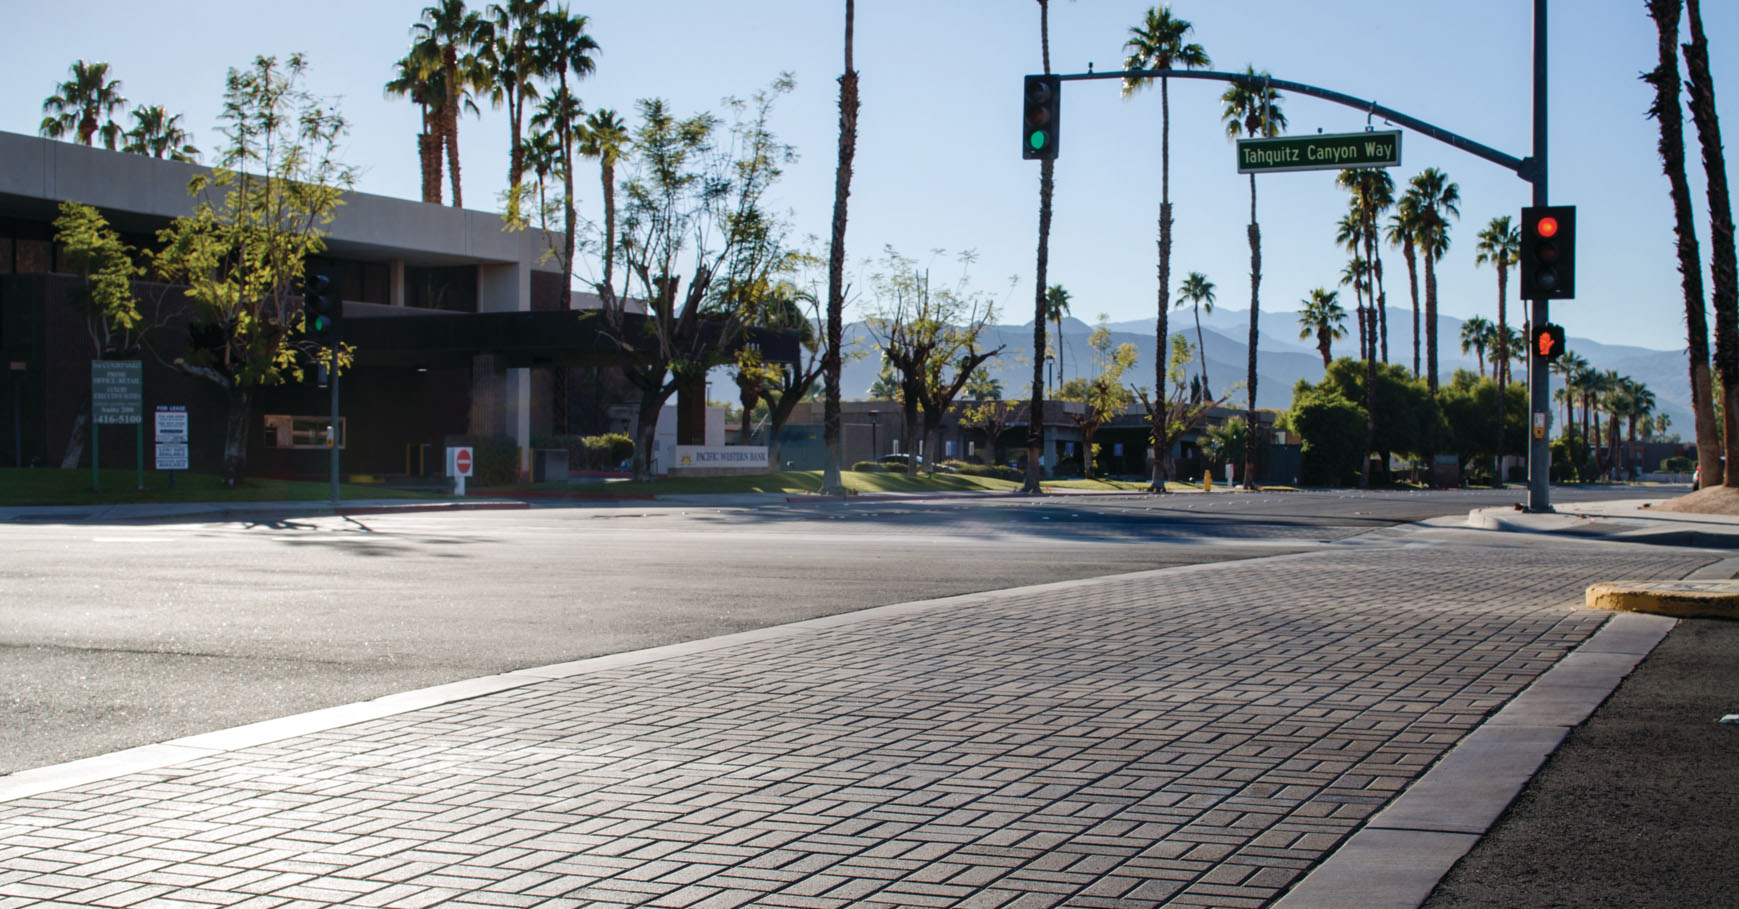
(1039, 121)
(1548, 266)
(320, 310)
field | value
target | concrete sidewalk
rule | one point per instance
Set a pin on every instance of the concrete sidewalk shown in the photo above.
(1193, 736)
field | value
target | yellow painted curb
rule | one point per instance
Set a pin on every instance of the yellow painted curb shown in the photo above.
(1680, 599)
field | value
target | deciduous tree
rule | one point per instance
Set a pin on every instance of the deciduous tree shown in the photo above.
(257, 218)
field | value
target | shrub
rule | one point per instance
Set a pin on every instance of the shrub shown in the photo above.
(602, 452)
(973, 469)
(495, 459)
(870, 467)
(1678, 465)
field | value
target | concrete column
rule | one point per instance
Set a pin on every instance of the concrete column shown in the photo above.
(507, 288)
(395, 272)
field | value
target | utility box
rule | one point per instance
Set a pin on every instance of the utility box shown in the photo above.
(549, 465)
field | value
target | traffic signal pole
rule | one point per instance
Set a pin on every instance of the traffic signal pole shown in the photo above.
(1532, 169)
(1539, 376)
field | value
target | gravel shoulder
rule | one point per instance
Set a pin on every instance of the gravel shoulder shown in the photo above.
(1637, 807)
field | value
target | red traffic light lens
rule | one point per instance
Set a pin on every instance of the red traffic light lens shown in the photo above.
(1547, 227)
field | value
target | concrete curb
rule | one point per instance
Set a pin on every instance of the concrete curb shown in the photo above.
(1680, 599)
(243, 511)
(1397, 858)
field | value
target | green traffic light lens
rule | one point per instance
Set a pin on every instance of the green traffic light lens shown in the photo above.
(1036, 139)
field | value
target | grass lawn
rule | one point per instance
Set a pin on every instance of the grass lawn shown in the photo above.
(789, 482)
(53, 486)
(802, 482)
(44, 486)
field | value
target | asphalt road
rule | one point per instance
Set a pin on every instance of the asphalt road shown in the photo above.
(120, 635)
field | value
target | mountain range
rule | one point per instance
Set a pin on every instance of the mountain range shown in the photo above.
(1283, 358)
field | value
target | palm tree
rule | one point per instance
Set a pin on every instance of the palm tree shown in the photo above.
(1517, 345)
(564, 48)
(418, 77)
(831, 482)
(543, 159)
(1500, 244)
(1353, 274)
(1476, 336)
(1571, 366)
(84, 106)
(1349, 233)
(1158, 44)
(1593, 386)
(1438, 200)
(158, 134)
(1373, 192)
(455, 34)
(605, 137)
(1723, 259)
(1323, 318)
(1403, 231)
(1637, 404)
(1667, 111)
(562, 118)
(513, 63)
(1035, 438)
(1252, 108)
(1056, 307)
(1198, 291)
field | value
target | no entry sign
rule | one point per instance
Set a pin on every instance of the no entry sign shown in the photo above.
(459, 465)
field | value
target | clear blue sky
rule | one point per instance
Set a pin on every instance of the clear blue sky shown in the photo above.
(937, 162)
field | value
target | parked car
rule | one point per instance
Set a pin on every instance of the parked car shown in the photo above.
(898, 461)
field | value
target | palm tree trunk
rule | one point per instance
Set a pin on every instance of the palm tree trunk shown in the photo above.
(1382, 305)
(570, 214)
(1503, 362)
(1255, 232)
(516, 142)
(1412, 257)
(1161, 322)
(1431, 323)
(1035, 437)
(1723, 266)
(831, 481)
(450, 131)
(608, 174)
(1202, 353)
(1665, 79)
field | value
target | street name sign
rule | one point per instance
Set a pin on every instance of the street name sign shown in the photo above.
(1322, 151)
(117, 391)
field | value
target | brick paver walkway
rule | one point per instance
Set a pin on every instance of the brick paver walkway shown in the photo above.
(1186, 737)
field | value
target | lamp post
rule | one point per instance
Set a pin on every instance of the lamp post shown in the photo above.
(875, 424)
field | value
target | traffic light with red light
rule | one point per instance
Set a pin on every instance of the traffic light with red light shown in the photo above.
(1548, 341)
(1043, 113)
(1548, 255)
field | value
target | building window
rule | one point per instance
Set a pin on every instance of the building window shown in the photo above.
(286, 431)
(34, 257)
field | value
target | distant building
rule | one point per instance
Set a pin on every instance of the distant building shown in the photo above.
(462, 328)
